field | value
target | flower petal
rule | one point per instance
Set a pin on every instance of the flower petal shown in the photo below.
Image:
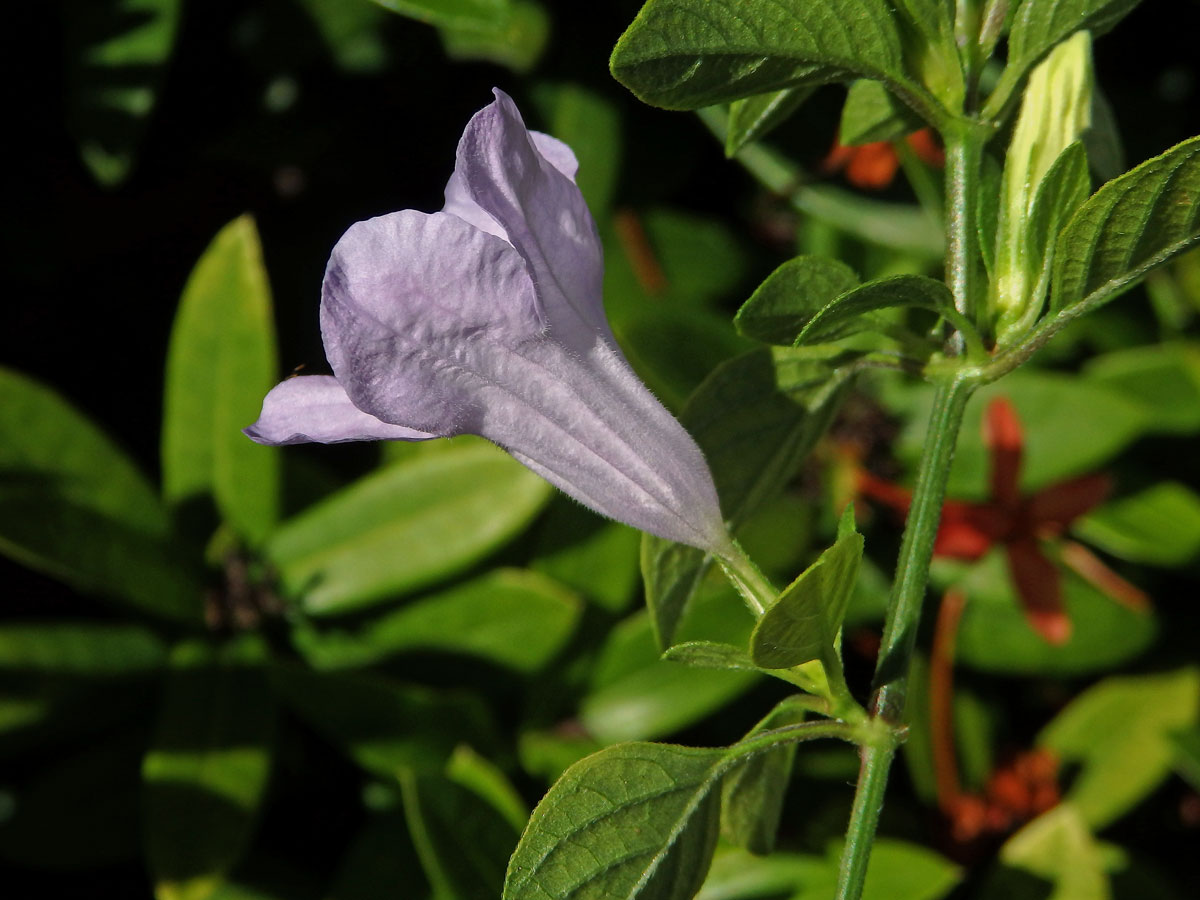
(542, 213)
(1039, 588)
(430, 323)
(1003, 438)
(314, 408)
(1056, 507)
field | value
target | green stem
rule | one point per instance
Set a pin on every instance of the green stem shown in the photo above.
(964, 155)
(900, 629)
(751, 583)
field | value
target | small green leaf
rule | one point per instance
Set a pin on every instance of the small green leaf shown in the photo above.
(803, 624)
(685, 54)
(405, 527)
(1119, 732)
(850, 312)
(463, 842)
(220, 364)
(1131, 225)
(871, 113)
(752, 118)
(206, 771)
(1058, 848)
(710, 655)
(73, 505)
(117, 51)
(1163, 379)
(509, 617)
(1159, 526)
(1037, 26)
(483, 777)
(383, 726)
(1063, 189)
(791, 296)
(756, 418)
(515, 41)
(595, 558)
(633, 821)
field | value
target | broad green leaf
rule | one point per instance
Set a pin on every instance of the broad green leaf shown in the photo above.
(1159, 526)
(90, 649)
(633, 821)
(851, 311)
(752, 794)
(205, 773)
(404, 527)
(515, 41)
(1186, 744)
(595, 558)
(1058, 848)
(78, 810)
(383, 726)
(73, 505)
(752, 118)
(803, 624)
(790, 296)
(685, 54)
(1163, 379)
(379, 864)
(871, 113)
(1119, 732)
(590, 125)
(220, 364)
(450, 13)
(351, 32)
(995, 636)
(1132, 224)
(117, 50)
(510, 617)
(1037, 26)
(463, 842)
(483, 777)
(756, 418)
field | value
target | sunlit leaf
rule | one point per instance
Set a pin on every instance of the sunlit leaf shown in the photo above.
(790, 296)
(852, 310)
(871, 113)
(515, 41)
(1158, 526)
(1056, 848)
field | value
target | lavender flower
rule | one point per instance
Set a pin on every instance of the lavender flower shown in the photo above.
(486, 318)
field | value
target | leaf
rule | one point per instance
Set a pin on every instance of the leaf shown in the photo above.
(351, 32)
(516, 41)
(380, 864)
(1037, 26)
(595, 558)
(1131, 225)
(1119, 732)
(383, 726)
(462, 842)
(510, 617)
(633, 821)
(994, 634)
(1163, 379)
(1058, 848)
(590, 124)
(205, 773)
(404, 527)
(73, 505)
(790, 296)
(450, 13)
(484, 779)
(803, 624)
(848, 313)
(95, 650)
(710, 655)
(1159, 526)
(685, 54)
(756, 418)
(117, 51)
(752, 118)
(872, 114)
(221, 362)
(991, 178)
(1063, 189)
(1186, 744)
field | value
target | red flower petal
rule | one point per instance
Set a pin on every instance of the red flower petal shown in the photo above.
(1039, 588)
(1059, 505)
(1003, 438)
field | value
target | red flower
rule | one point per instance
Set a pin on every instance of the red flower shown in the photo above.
(873, 166)
(1022, 525)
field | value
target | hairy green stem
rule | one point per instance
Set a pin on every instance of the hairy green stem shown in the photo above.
(751, 583)
(900, 629)
(964, 155)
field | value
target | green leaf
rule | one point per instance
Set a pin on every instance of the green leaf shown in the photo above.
(590, 125)
(117, 51)
(710, 655)
(849, 312)
(1058, 848)
(91, 649)
(405, 527)
(871, 113)
(463, 843)
(1063, 189)
(352, 33)
(220, 364)
(1131, 225)
(1037, 26)
(684, 54)
(633, 821)
(1186, 744)
(1159, 526)
(380, 864)
(752, 118)
(752, 794)
(1119, 732)
(450, 13)
(803, 624)
(483, 777)
(383, 726)
(512, 618)
(756, 418)
(595, 558)
(991, 177)
(790, 296)
(516, 41)
(995, 636)
(1163, 379)
(205, 773)
(73, 505)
